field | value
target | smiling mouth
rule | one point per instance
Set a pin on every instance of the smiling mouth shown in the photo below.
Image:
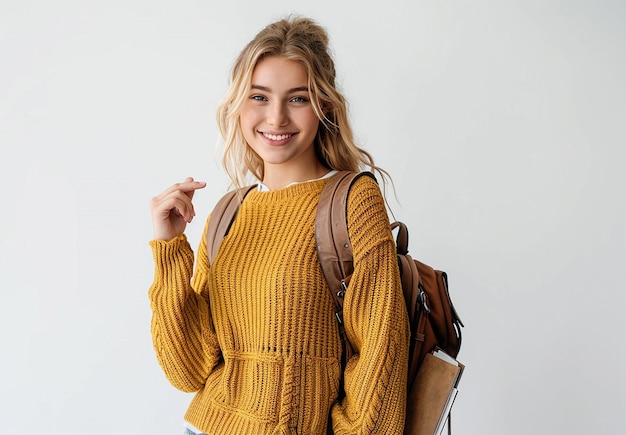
(277, 136)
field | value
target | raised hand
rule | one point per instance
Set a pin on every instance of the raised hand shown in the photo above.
(173, 209)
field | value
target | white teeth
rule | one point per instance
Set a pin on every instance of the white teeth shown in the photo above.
(275, 137)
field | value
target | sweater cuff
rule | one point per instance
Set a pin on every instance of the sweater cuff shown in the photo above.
(168, 249)
(173, 260)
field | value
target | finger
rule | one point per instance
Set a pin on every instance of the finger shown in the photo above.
(176, 203)
(193, 185)
(189, 186)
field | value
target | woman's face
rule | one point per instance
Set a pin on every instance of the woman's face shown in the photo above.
(277, 119)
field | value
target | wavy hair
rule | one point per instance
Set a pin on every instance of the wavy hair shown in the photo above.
(301, 40)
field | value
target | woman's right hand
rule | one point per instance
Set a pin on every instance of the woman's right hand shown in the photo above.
(172, 210)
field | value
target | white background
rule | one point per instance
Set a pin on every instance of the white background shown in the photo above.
(502, 123)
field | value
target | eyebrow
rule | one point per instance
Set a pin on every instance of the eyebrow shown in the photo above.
(289, 91)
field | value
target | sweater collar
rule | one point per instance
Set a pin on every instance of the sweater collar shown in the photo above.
(264, 188)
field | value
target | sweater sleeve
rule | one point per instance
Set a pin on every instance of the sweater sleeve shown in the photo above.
(376, 322)
(183, 334)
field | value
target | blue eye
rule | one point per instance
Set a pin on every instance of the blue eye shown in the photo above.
(299, 100)
(257, 98)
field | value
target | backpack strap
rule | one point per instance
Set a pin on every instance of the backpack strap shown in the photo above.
(414, 295)
(333, 242)
(222, 218)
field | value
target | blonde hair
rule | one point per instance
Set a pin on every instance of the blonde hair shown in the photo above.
(304, 41)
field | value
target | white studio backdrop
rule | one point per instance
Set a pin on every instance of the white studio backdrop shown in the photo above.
(500, 121)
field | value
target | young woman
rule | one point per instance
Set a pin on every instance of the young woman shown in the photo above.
(254, 334)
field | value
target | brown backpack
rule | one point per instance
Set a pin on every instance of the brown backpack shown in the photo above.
(433, 319)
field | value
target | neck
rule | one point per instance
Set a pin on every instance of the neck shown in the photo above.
(277, 179)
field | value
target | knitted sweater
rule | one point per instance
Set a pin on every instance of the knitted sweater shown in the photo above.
(255, 333)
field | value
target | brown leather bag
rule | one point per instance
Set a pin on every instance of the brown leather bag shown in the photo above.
(433, 319)
(432, 316)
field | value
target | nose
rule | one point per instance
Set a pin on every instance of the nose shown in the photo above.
(277, 114)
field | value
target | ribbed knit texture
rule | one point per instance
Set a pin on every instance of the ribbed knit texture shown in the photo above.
(258, 340)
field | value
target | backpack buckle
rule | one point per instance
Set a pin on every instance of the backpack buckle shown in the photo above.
(338, 315)
(423, 298)
(344, 287)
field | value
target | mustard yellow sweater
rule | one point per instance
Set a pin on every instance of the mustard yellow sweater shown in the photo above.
(255, 334)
